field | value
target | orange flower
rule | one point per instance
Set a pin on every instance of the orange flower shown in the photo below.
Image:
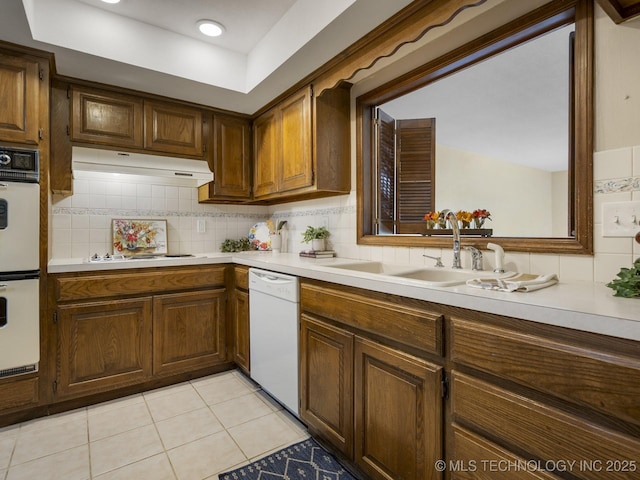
(481, 213)
(464, 216)
(432, 216)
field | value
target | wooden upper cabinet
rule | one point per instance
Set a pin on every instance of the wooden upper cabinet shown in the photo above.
(173, 129)
(296, 167)
(19, 99)
(302, 147)
(231, 156)
(106, 118)
(266, 151)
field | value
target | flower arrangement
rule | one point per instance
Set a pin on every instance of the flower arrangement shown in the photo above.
(479, 216)
(464, 218)
(473, 219)
(432, 218)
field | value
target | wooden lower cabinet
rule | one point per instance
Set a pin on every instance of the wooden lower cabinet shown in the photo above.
(398, 413)
(562, 400)
(145, 326)
(380, 407)
(188, 330)
(239, 338)
(241, 330)
(103, 345)
(18, 393)
(326, 381)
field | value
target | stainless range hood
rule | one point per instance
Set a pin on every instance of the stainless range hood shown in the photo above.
(169, 170)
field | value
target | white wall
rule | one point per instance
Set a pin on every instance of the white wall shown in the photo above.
(518, 197)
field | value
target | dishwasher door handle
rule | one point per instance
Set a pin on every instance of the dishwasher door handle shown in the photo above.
(271, 278)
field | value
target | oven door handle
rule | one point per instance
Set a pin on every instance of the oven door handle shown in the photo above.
(4, 186)
(3, 286)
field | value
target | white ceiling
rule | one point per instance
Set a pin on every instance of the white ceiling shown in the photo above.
(154, 46)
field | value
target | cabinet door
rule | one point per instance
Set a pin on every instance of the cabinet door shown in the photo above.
(241, 330)
(188, 331)
(266, 150)
(173, 129)
(106, 118)
(398, 408)
(296, 169)
(103, 345)
(19, 99)
(231, 156)
(326, 382)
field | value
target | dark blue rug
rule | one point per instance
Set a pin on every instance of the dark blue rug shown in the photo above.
(302, 461)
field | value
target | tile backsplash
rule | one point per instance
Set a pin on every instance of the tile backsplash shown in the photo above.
(81, 223)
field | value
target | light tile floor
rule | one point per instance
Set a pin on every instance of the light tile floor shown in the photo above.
(190, 431)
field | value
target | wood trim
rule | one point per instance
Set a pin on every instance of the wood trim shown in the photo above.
(495, 41)
(407, 26)
(620, 10)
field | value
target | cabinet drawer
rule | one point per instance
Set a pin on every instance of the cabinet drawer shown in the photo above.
(133, 282)
(543, 431)
(604, 380)
(21, 393)
(398, 319)
(476, 458)
(241, 277)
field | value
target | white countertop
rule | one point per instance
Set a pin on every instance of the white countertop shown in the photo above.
(585, 306)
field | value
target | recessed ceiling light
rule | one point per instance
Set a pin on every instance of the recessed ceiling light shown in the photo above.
(111, 1)
(210, 28)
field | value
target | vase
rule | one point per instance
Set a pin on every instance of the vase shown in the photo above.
(276, 242)
(478, 222)
(318, 244)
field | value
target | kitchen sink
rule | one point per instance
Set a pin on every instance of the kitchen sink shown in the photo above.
(438, 277)
(376, 267)
(431, 277)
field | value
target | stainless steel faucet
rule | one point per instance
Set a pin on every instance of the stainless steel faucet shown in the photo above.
(476, 258)
(445, 214)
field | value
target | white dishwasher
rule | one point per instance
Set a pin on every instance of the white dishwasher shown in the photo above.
(273, 333)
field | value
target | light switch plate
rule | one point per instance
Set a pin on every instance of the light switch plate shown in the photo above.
(201, 226)
(620, 219)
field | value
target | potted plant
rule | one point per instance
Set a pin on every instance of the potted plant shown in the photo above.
(317, 237)
(628, 282)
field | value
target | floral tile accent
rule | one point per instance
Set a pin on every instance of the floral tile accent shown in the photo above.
(617, 185)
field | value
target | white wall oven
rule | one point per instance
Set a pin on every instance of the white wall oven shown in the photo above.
(19, 261)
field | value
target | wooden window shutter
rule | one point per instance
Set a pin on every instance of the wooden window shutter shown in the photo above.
(415, 161)
(386, 177)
